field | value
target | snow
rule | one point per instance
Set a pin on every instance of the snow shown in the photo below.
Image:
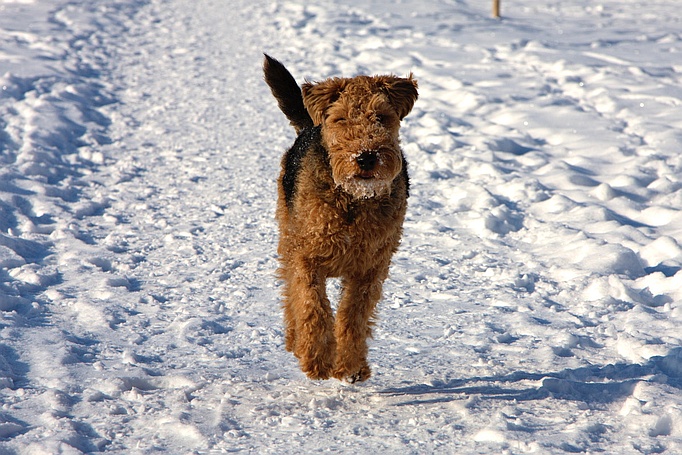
(533, 307)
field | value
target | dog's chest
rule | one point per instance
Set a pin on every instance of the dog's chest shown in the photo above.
(359, 224)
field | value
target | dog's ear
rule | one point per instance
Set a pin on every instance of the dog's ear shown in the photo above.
(401, 92)
(319, 96)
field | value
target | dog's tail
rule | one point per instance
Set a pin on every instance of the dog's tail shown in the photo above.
(287, 93)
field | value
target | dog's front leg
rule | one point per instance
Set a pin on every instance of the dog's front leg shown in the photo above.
(353, 325)
(314, 321)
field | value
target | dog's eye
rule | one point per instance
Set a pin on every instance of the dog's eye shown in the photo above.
(339, 120)
(380, 118)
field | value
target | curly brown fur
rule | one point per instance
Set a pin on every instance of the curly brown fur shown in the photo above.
(342, 199)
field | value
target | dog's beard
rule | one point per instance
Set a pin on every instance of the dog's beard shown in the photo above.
(365, 188)
(367, 184)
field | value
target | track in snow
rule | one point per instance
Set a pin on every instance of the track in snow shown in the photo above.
(533, 306)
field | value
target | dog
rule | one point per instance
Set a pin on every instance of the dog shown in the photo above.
(342, 198)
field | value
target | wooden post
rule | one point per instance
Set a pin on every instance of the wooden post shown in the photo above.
(496, 8)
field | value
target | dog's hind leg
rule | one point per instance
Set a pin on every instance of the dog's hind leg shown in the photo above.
(287, 306)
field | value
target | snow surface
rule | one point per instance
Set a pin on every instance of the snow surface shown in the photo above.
(535, 304)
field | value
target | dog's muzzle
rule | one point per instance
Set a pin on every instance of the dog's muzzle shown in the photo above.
(367, 161)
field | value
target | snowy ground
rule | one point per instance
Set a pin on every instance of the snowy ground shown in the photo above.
(534, 307)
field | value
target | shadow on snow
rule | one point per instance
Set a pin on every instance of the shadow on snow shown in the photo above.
(594, 384)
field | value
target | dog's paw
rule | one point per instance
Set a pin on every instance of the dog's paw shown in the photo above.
(317, 375)
(359, 376)
(317, 369)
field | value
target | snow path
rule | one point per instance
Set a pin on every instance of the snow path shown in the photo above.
(534, 306)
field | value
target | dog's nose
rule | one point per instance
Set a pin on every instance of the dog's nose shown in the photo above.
(367, 160)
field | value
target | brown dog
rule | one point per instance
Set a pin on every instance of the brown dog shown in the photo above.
(342, 198)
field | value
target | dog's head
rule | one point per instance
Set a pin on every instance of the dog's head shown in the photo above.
(360, 120)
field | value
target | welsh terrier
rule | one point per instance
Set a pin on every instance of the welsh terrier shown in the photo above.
(342, 196)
